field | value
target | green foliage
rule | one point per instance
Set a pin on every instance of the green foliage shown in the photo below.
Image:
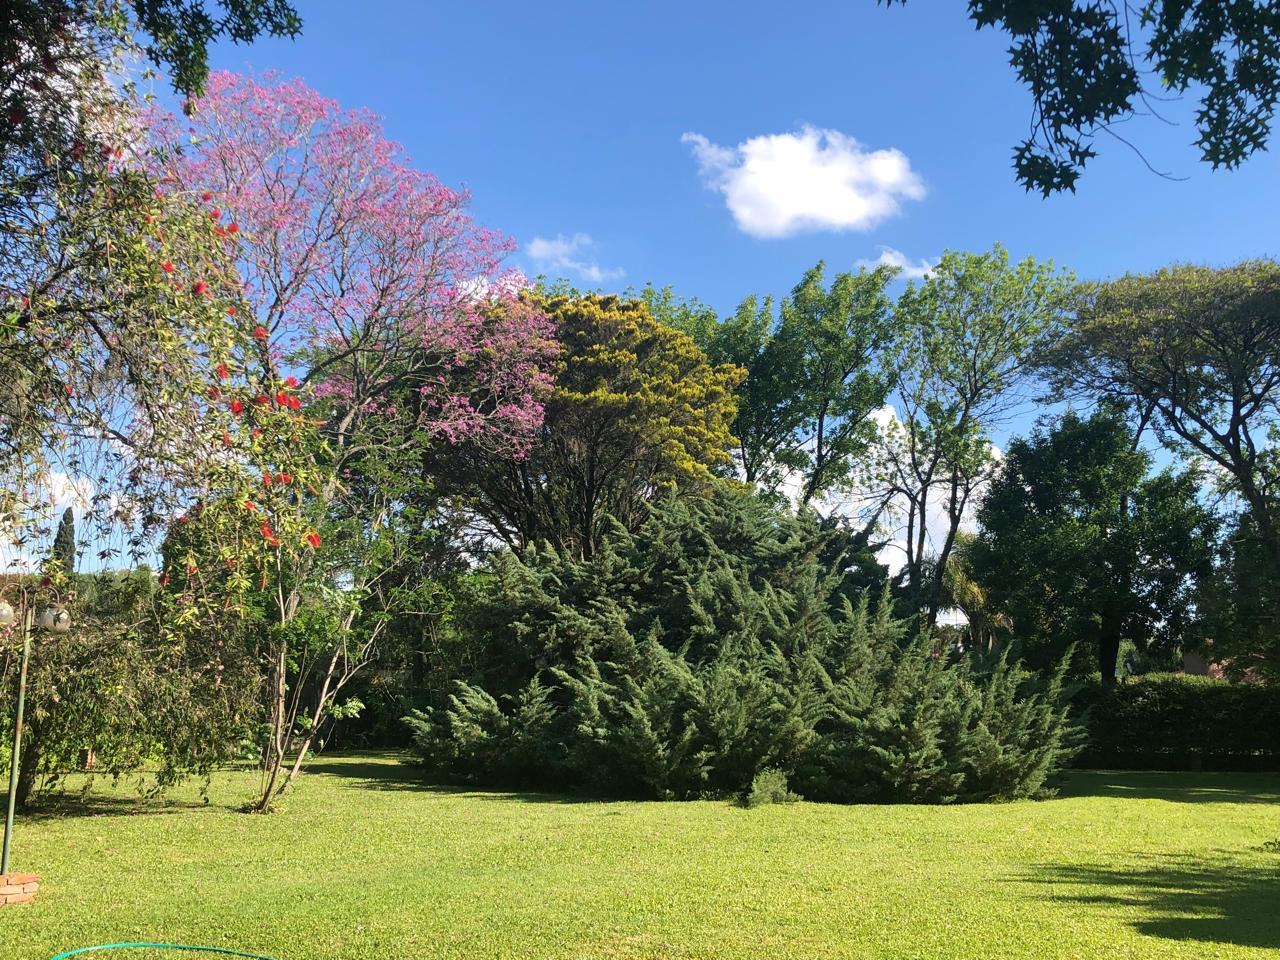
(815, 378)
(717, 641)
(1180, 722)
(769, 786)
(1081, 545)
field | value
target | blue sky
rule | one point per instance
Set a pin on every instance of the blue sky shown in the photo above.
(568, 120)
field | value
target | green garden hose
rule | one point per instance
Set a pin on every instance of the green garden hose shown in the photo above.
(162, 946)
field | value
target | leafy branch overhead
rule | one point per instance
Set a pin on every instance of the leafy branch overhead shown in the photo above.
(1091, 65)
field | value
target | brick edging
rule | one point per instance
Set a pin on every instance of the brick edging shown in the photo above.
(18, 887)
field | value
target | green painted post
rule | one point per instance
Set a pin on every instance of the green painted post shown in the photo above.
(27, 616)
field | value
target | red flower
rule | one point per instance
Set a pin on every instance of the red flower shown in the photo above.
(291, 381)
(215, 213)
(233, 228)
(313, 538)
(237, 406)
(150, 218)
(200, 288)
(282, 398)
(222, 371)
(26, 301)
(67, 387)
(167, 267)
(255, 432)
(214, 393)
(231, 311)
(184, 519)
(164, 580)
(294, 403)
(226, 438)
(191, 568)
(206, 196)
(266, 480)
(260, 332)
(284, 478)
(248, 505)
(177, 286)
(262, 399)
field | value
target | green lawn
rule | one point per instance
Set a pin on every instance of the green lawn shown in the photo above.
(367, 862)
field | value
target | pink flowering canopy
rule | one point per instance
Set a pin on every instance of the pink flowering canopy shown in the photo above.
(364, 275)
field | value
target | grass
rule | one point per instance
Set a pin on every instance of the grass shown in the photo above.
(366, 862)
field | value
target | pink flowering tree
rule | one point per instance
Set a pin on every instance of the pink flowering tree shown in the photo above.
(379, 320)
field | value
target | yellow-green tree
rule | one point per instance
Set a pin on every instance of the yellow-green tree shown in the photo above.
(637, 410)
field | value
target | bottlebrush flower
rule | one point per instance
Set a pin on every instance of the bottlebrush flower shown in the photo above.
(231, 311)
(214, 393)
(222, 371)
(260, 332)
(294, 403)
(164, 580)
(249, 505)
(200, 288)
(282, 398)
(215, 213)
(167, 267)
(313, 539)
(236, 406)
(262, 399)
(226, 439)
(285, 478)
(206, 196)
(233, 228)
(266, 480)
(290, 381)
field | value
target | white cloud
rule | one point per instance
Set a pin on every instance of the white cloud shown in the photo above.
(908, 270)
(571, 254)
(780, 184)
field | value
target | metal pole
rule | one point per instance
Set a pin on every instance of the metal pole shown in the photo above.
(27, 616)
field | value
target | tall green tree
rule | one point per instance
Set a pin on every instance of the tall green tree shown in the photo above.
(1090, 66)
(960, 367)
(1081, 545)
(64, 543)
(815, 379)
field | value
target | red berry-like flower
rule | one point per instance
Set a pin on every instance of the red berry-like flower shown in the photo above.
(290, 381)
(294, 403)
(262, 399)
(260, 332)
(231, 311)
(284, 478)
(214, 393)
(255, 432)
(167, 267)
(233, 228)
(164, 580)
(222, 371)
(215, 213)
(313, 539)
(191, 568)
(200, 288)
(206, 196)
(236, 406)
(248, 505)
(226, 439)
(266, 480)
(282, 398)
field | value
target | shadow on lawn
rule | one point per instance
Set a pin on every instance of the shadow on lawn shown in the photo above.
(1174, 787)
(398, 772)
(57, 806)
(1212, 899)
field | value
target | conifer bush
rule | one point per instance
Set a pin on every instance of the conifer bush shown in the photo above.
(717, 642)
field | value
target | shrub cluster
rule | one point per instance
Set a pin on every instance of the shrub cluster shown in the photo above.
(719, 641)
(1180, 722)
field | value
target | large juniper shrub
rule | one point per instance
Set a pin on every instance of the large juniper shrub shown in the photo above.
(714, 643)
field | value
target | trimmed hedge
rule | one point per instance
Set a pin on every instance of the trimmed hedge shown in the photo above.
(1179, 722)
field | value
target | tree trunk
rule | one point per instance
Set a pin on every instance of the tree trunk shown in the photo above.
(1108, 653)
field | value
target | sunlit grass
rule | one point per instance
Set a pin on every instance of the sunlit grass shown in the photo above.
(366, 862)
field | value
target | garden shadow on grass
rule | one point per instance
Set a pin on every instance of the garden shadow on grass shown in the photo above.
(1212, 899)
(1173, 787)
(57, 806)
(398, 772)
